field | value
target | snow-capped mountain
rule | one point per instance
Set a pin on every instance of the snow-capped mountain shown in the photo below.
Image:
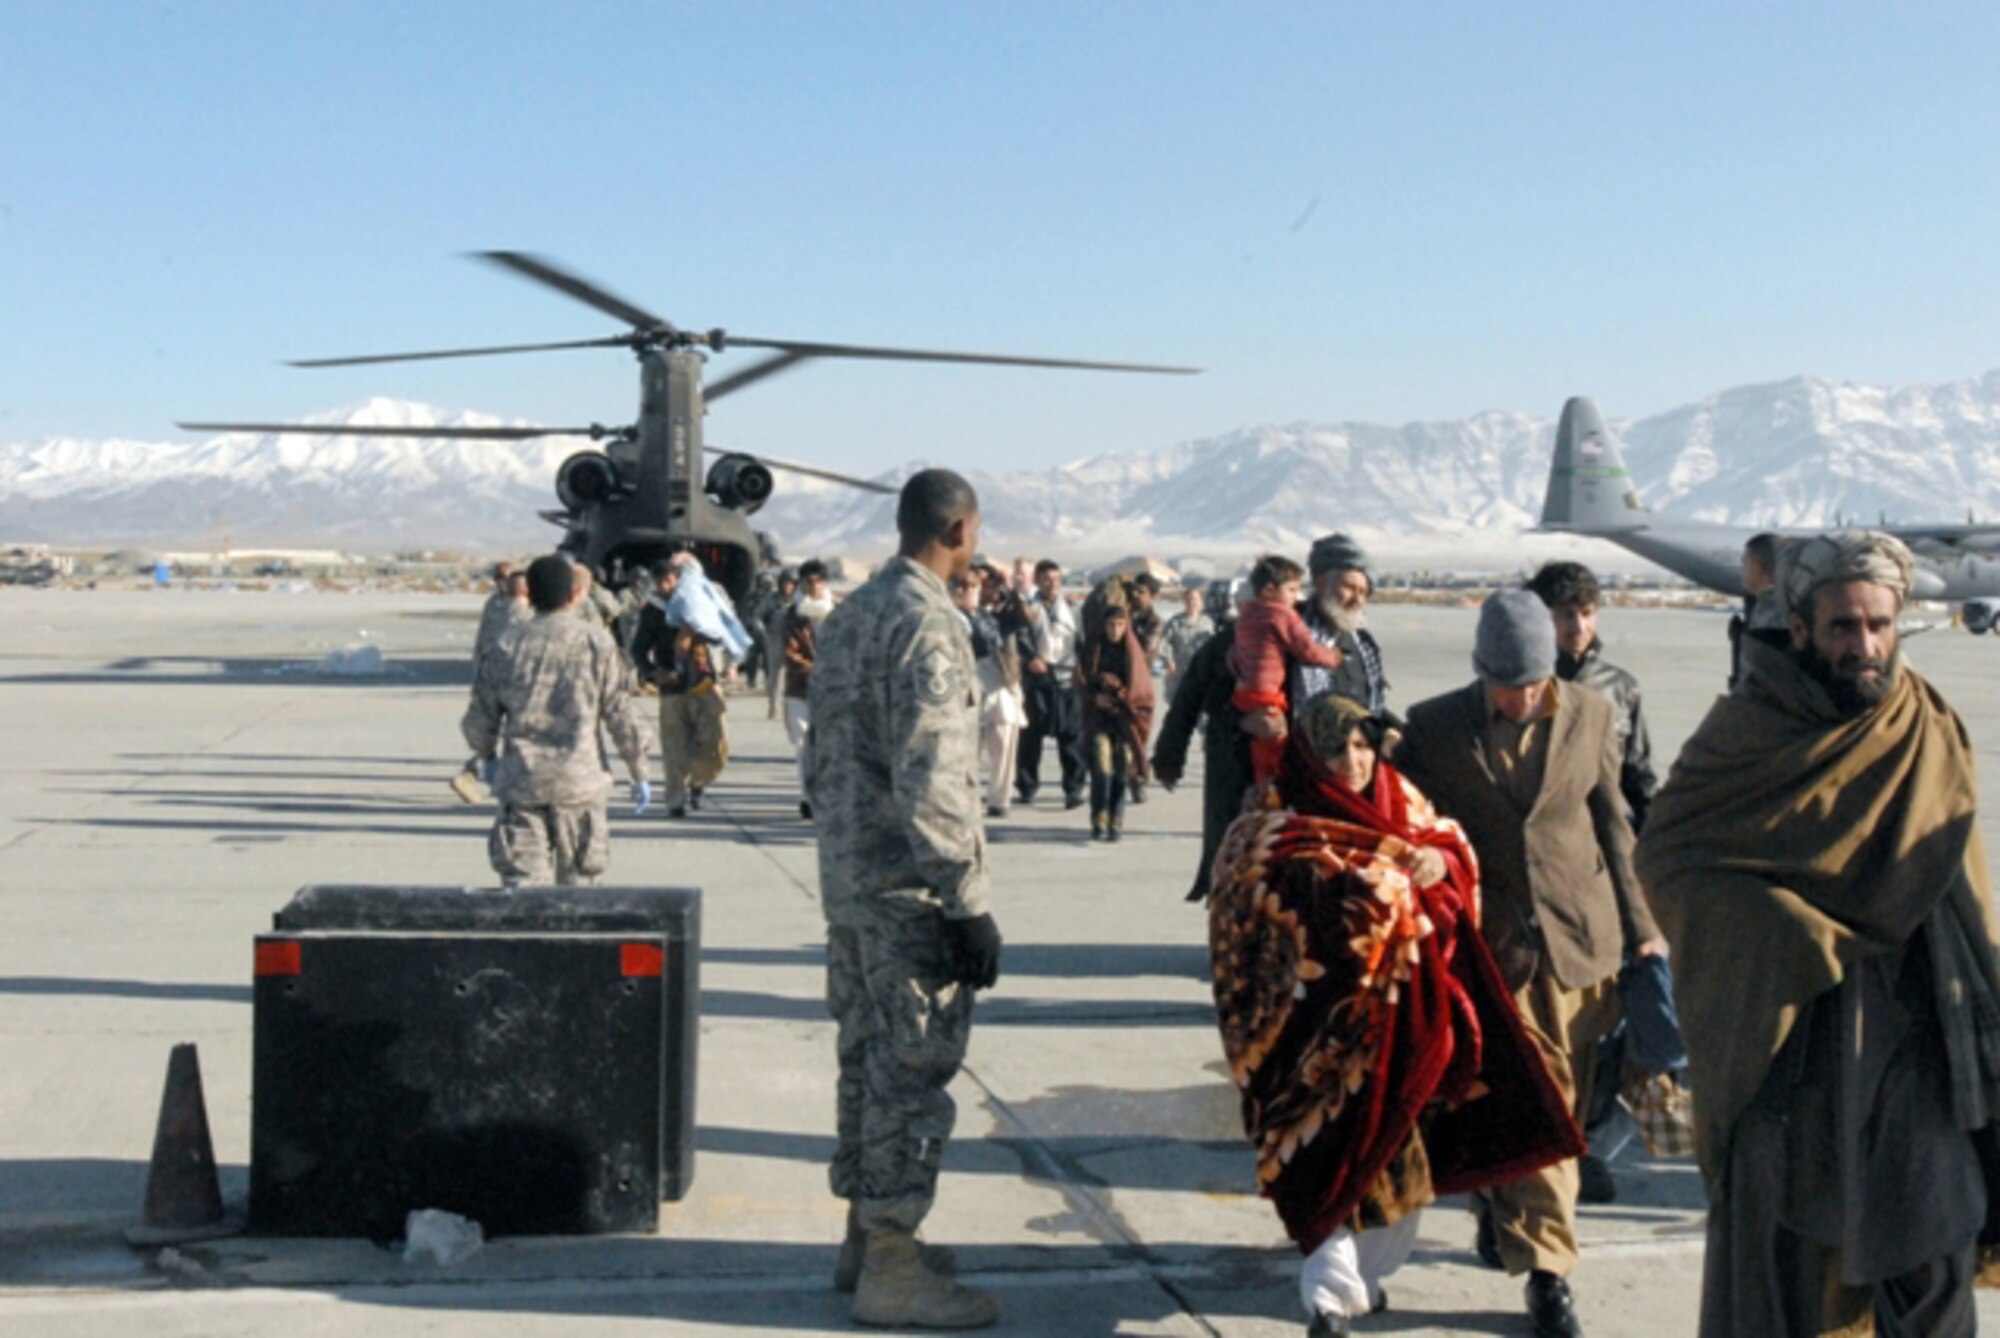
(1801, 451)
(287, 490)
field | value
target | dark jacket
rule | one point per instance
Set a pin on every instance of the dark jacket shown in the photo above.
(1556, 882)
(800, 646)
(1360, 677)
(997, 631)
(1205, 692)
(1635, 776)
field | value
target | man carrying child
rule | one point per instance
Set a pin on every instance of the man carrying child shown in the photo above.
(1270, 639)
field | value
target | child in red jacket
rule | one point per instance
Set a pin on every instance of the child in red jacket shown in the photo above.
(1270, 639)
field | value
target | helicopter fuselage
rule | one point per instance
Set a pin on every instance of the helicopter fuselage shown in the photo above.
(658, 504)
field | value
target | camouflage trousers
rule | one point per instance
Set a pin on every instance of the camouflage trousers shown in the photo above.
(539, 845)
(693, 746)
(903, 1027)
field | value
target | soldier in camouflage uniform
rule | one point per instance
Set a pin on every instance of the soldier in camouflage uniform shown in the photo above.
(539, 701)
(500, 612)
(505, 609)
(597, 604)
(893, 771)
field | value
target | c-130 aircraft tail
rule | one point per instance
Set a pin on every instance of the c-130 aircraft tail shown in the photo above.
(1591, 493)
(1589, 486)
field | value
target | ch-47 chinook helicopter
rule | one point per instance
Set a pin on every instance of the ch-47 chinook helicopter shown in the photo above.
(642, 495)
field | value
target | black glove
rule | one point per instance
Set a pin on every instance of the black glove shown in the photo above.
(975, 951)
(1168, 776)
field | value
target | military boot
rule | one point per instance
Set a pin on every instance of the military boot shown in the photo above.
(847, 1269)
(466, 786)
(897, 1291)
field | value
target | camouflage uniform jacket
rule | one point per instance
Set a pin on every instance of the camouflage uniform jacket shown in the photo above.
(1184, 636)
(538, 701)
(601, 607)
(1636, 780)
(500, 614)
(893, 757)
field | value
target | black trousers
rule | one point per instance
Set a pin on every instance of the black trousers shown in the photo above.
(1054, 709)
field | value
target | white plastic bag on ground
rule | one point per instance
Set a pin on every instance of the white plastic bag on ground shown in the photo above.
(433, 1236)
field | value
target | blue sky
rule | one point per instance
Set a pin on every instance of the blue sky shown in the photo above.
(1379, 212)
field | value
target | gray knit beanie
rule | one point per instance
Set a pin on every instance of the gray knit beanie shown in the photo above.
(1516, 645)
(1337, 552)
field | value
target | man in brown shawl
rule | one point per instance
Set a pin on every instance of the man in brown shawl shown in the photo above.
(1816, 864)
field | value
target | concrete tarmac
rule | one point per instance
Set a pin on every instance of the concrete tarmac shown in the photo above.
(175, 766)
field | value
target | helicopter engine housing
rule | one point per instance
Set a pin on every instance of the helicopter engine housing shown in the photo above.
(585, 479)
(740, 482)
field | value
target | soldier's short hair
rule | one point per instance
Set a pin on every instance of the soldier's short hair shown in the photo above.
(1566, 585)
(1762, 549)
(1146, 581)
(551, 581)
(663, 568)
(1045, 566)
(932, 502)
(1273, 570)
(810, 568)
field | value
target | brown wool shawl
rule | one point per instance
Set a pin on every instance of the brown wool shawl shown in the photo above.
(1791, 842)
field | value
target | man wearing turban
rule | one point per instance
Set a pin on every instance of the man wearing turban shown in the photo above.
(1814, 860)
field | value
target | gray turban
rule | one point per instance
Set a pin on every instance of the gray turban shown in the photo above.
(1337, 552)
(1845, 555)
(1516, 644)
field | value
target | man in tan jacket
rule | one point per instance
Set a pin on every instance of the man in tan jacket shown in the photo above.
(1530, 768)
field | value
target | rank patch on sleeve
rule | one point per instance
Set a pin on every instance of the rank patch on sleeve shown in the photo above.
(937, 676)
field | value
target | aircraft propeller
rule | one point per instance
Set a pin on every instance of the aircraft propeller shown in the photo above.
(650, 331)
(596, 432)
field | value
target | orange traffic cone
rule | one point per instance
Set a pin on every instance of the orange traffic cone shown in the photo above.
(183, 1191)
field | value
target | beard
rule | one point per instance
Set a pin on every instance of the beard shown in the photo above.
(812, 610)
(1340, 617)
(1856, 686)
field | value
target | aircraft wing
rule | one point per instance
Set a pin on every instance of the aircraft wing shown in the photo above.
(1969, 536)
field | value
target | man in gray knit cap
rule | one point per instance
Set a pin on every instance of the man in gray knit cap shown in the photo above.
(1529, 766)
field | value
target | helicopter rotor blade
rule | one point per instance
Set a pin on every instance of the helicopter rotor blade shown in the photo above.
(808, 350)
(611, 341)
(755, 372)
(811, 471)
(547, 273)
(594, 431)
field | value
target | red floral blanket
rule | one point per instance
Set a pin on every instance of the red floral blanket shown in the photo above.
(1354, 1005)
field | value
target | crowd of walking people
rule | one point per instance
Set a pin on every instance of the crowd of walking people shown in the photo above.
(1474, 947)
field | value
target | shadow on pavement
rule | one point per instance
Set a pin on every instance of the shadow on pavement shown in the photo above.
(289, 671)
(86, 1186)
(238, 826)
(1056, 961)
(288, 758)
(992, 1012)
(121, 989)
